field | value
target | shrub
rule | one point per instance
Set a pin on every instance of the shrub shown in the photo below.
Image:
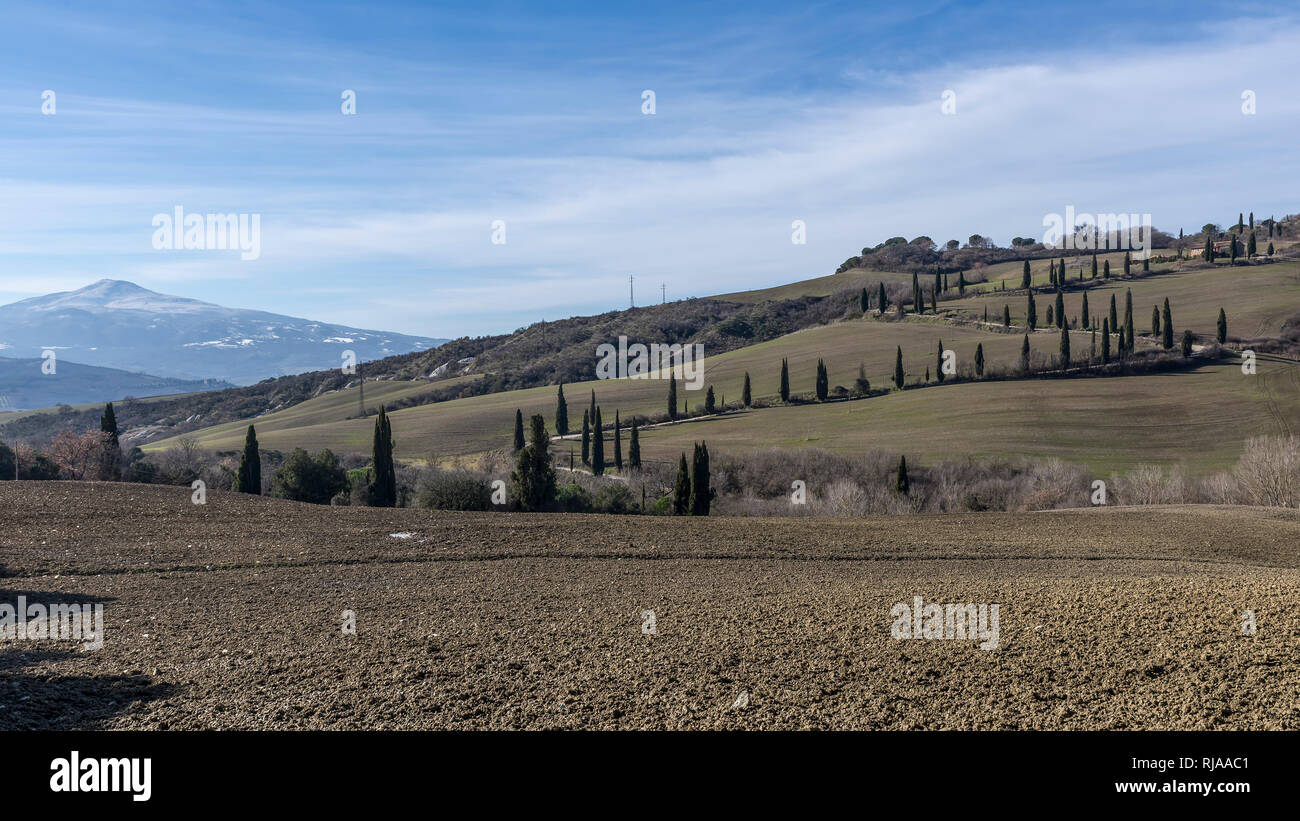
(573, 499)
(615, 498)
(1268, 472)
(454, 490)
(304, 478)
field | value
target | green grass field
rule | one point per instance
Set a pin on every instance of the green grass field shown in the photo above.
(480, 423)
(1257, 300)
(1198, 419)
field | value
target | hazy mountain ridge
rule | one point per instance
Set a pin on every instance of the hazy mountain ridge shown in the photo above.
(118, 324)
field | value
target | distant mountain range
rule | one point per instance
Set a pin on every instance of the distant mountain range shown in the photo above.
(118, 324)
(25, 385)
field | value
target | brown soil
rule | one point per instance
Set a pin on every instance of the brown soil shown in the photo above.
(228, 615)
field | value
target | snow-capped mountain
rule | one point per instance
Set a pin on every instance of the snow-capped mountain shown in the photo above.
(118, 324)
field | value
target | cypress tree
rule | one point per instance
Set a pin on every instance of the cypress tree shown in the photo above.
(785, 380)
(882, 300)
(1065, 347)
(383, 488)
(823, 384)
(1006, 316)
(1222, 335)
(938, 362)
(1120, 344)
(682, 489)
(634, 448)
(710, 404)
(1051, 317)
(934, 302)
(1032, 313)
(108, 424)
(561, 412)
(744, 394)
(1060, 309)
(1208, 253)
(938, 284)
(1146, 263)
(618, 445)
(901, 484)
(1232, 249)
(586, 437)
(979, 359)
(1094, 266)
(927, 374)
(961, 283)
(1128, 320)
(1250, 247)
(1270, 249)
(1187, 342)
(1128, 262)
(1105, 341)
(1024, 354)
(1155, 321)
(534, 475)
(863, 301)
(519, 430)
(1114, 317)
(1168, 339)
(593, 407)
(701, 492)
(1026, 281)
(249, 477)
(898, 369)
(597, 447)
(1106, 270)
(672, 398)
(918, 306)
(1087, 321)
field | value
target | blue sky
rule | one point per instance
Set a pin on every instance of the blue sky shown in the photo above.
(468, 113)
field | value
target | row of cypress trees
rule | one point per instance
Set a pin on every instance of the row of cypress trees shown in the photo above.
(692, 492)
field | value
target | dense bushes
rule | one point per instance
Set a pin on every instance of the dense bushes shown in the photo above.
(454, 490)
(305, 478)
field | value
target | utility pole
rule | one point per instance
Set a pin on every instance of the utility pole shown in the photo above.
(663, 294)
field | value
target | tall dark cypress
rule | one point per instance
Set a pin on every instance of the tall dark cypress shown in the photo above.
(682, 489)
(597, 447)
(823, 383)
(1060, 309)
(561, 412)
(744, 394)
(938, 363)
(519, 430)
(1128, 319)
(249, 477)
(618, 444)
(586, 437)
(863, 301)
(1025, 279)
(881, 299)
(1128, 262)
(383, 487)
(785, 380)
(1065, 347)
(108, 424)
(1031, 313)
(1087, 320)
(634, 448)
(1024, 354)
(710, 403)
(1188, 339)
(898, 369)
(979, 359)
(1006, 316)
(1222, 332)
(672, 397)
(1105, 341)
(918, 302)
(901, 484)
(701, 491)
(1155, 321)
